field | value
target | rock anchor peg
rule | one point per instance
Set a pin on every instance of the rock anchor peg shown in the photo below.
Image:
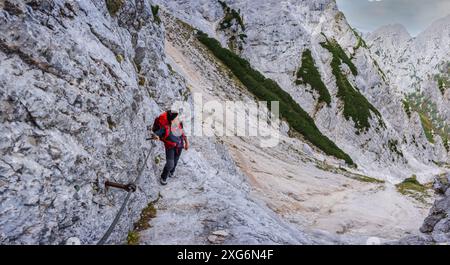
(127, 187)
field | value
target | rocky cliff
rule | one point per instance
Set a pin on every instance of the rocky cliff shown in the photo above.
(437, 224)
(364, 114)
(418, 68)
(436, 227)
(80, 81)
(313, 192)
(76, 83)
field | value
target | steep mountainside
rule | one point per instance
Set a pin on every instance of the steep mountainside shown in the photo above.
(81, 81)
(309, 190)
(76, 80)
(409, 62)
(387, 44)
(363, 116)
(436, 227)
(419, 69)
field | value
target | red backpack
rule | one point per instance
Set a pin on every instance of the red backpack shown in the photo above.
(163, 122)
(160, 122)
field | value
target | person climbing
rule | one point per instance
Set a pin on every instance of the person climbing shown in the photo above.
(169, 129)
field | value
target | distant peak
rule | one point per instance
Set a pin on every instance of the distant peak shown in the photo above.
(397, 30)
(437, 27)
(394, 28)
(441, 21)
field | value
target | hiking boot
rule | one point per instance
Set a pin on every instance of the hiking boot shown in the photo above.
(163, 181)
(171, 175)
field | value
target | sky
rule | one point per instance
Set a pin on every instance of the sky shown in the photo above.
(415, 15)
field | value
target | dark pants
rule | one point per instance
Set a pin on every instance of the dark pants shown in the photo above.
(172, 156)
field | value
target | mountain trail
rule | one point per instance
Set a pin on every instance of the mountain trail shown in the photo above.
(285, 179)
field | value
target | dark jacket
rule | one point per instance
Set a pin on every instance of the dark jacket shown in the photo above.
(179, 140)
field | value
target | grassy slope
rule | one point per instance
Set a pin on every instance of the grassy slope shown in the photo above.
(432, 122)
(356, 106)
(268, 90)
(308, 74)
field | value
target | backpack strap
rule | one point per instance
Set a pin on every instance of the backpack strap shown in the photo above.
(166, 132)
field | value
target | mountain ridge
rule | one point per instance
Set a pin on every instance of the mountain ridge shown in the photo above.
(271, 49)
(81, 81)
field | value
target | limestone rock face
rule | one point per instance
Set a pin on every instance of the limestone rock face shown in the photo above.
(277, 33)
(74, 114)
(419, 65)
(79, 84)
(436, 227)
(411, 61)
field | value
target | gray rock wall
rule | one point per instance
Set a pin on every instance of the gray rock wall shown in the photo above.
(437, 224)
(436, 227)
(78, 86)
(276, 35)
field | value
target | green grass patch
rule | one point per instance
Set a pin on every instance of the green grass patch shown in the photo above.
(407, 108)
(413, 188)
(359, 177)
(143, 223)
(242, 36)
(441, 85)
(230, 16)
(119, 58)
(381, 72)
(411, 184)
(339, 54)
(433, 123)
(114, 6)
(133, 238)
(427, 127)
(309, 74)
(446, 143)
(157, 159)
(360, 41)
(111, 124)
(367, 179)
(268, 90)
(443, 78)
(155, 13)
(356, 106)
(147, 214)
(344, 172)
(393, 147)
(236, 36)
(142, 80)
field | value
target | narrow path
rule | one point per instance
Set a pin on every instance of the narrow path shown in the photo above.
(296, 189)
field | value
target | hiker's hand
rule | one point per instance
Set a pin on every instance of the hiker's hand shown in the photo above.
(186, 145)
(131, 187)
(155, 137)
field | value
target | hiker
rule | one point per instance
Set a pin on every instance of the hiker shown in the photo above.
(169, 129)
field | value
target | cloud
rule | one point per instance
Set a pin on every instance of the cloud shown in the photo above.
(415, 15)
